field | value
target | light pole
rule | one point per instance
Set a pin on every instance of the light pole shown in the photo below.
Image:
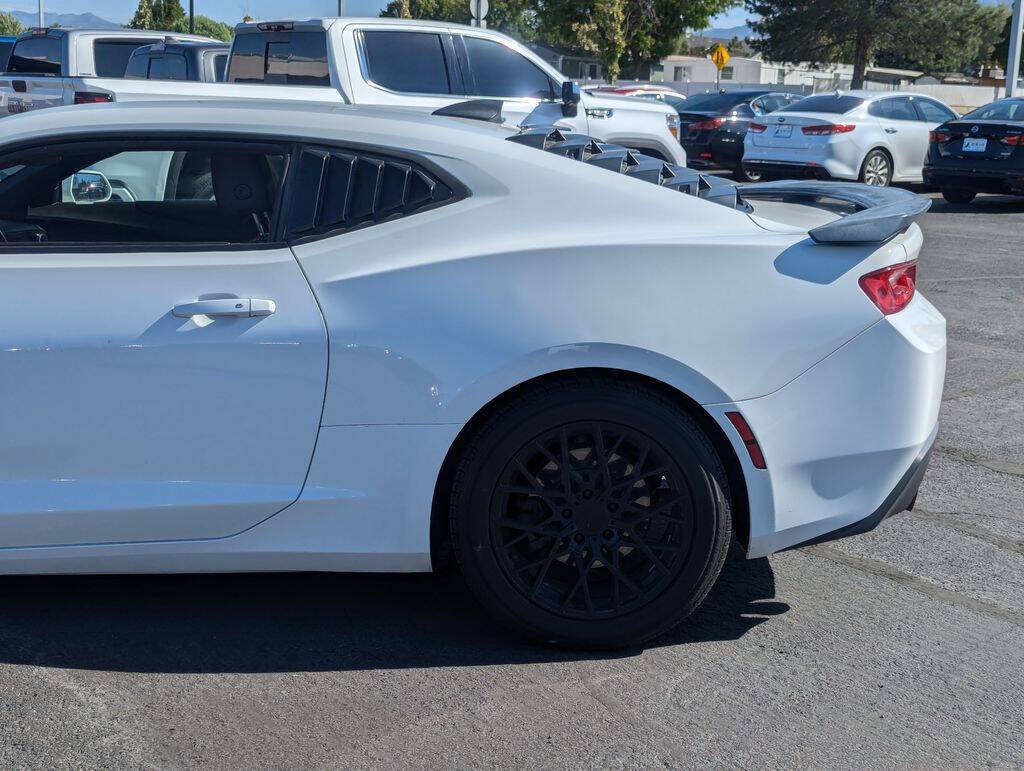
(191, 17)
(42, 14)
(341, 7)
(1013, 57)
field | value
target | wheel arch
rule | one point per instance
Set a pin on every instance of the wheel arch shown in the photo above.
(440, 550)
(888, 154)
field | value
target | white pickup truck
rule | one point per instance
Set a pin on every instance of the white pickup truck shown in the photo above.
(417, 64)
(54, 67)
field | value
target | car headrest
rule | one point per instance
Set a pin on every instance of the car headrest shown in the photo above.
(240, 183)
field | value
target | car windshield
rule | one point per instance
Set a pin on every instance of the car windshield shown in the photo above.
(833, 103)
(1006, 109)
(711, 102)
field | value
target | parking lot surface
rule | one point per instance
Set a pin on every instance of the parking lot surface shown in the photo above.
(904, 646)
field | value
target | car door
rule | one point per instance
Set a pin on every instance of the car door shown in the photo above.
(496, 70)
(905, 134)
(163, 360)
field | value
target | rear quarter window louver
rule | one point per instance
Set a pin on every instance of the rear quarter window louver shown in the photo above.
(631, 163)
(336, 190)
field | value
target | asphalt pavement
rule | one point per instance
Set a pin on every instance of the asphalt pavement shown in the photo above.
(901, 647)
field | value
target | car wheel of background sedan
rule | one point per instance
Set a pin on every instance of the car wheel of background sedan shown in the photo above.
(742, 174)
(956, 195)
(876, 169)
(590, 512)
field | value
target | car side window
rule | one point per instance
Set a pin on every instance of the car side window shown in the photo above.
(498, 70)
(151, 193)
(111, 56)
(893, 108)
(407, 62)
(933, 112)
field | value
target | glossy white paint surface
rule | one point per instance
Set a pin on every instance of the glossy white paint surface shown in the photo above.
(181, 441)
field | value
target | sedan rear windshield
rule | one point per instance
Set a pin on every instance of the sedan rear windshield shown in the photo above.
(1006, 109)
(825, 103)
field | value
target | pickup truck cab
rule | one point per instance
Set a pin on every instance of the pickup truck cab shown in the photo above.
(174, 59)
(53, 67)
(429, 65)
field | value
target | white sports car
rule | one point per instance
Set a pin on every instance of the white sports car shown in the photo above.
(342, 339)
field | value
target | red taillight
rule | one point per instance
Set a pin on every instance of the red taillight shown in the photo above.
(91, 97)
(936, 137)
(1013, 140)
(757, 128)
(749, 440)
(892, 288)
(827, 129)
(707, 125)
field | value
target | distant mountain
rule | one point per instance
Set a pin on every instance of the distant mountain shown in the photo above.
(81, 20)
(727, 33)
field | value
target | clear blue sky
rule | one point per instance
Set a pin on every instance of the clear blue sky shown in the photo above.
(232, 11)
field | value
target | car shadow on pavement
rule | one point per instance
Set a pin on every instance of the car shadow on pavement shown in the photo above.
(306, 622)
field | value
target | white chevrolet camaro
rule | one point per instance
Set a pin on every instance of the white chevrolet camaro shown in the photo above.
(269, 337)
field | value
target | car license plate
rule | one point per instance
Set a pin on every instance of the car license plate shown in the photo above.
(783, 131)
(975, 145)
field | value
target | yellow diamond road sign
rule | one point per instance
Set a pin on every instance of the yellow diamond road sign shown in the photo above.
(720, 56)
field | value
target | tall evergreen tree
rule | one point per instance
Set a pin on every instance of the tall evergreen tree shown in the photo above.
(143, 18)
(167, 14)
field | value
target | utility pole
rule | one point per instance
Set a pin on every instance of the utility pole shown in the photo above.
(1013, 58)
(341, 7)
(191, 17)
(42, 14)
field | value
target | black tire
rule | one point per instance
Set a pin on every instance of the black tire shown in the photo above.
(871, 169)
(958, 195)
(742, 174)
(597, 584)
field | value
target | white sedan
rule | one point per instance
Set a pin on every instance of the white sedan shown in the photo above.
(876, 137)
(348, 338)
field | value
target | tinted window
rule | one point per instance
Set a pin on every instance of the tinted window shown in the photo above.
(85, 193)
(5, 53)
(498, 70)
(715, 102)
(1005, 109)
(896, 108)
(168, 67)
(220, 66)
(830, 103)
(410, 62)
(773, 102)
(292, 58)
(676, 101)
(138, 65)
(933, 112)
(36, 55)
(112, 57)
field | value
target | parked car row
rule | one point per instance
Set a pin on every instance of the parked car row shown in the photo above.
(877, 138)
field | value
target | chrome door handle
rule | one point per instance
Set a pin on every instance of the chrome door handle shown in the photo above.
(233, 306)
(891, 131)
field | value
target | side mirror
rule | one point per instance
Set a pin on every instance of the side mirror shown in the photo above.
(90, 187)
(570, 92)
(570, 98)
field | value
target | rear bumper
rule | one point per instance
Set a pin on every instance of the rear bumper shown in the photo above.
(839, 158)
(902, 498)
(980, 180)
(788, 170)
(846, 442)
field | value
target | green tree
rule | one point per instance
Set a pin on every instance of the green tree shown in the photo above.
(938, 34)
(204, 25)
(1001, 52)
(9, 24)
(514, 17)
(167, 14)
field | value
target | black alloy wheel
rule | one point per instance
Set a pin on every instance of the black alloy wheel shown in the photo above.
(591, 513)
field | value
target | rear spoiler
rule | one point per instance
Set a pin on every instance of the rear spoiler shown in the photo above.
(882, 211)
